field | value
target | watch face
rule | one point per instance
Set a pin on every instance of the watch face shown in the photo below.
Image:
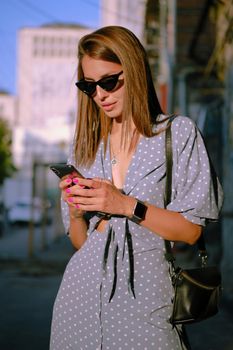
(140, 210)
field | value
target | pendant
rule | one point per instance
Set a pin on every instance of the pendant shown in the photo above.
(114, 161)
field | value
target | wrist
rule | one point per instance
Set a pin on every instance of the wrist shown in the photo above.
(138, 212)
(76, 214)
(130, 203)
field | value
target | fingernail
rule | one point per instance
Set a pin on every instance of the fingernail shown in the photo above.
(67, 190)
(70, 199)
(75, 180)
(68, 180)
(77, 206)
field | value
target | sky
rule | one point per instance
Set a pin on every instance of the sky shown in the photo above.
(15, 14)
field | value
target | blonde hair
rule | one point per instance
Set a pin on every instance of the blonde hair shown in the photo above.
(119, 45)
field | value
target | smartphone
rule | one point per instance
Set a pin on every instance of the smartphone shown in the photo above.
(63, 169)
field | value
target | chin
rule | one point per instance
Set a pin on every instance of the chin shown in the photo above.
(113, 115)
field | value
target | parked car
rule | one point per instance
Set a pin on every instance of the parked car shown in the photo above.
(22, 212)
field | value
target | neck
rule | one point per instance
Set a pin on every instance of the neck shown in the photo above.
(117, 128)
(117, 142)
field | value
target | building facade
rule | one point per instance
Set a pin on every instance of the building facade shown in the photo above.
(47, 61)
(126, 13)
(8, 108)
(47, 72)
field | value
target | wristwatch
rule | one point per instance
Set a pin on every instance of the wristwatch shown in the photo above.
(139, 212)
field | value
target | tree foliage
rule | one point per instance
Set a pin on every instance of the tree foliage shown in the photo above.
(222, 56)
(6, 163)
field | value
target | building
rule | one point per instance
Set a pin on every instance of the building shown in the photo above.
(43, 123)
(8, 108)
(47, 71)
(126, 13)
(47, 61)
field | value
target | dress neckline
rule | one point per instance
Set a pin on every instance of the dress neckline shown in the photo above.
(109, 164)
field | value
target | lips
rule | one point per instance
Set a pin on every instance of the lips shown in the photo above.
(107, 106)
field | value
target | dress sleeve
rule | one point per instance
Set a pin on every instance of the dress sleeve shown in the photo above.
(64, 205)
(196, 191)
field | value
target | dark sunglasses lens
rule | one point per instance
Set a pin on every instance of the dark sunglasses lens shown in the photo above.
(108, 83)
(86, 86)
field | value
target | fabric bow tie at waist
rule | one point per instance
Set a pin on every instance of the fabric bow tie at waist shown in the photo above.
(127, 242)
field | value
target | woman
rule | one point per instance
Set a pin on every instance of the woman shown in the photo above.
(116, 292)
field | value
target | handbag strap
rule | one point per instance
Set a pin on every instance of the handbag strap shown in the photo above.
(168, 191)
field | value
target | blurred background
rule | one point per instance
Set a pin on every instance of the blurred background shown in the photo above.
(190, 49)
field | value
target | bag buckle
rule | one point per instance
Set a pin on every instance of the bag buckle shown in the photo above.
(204, 257)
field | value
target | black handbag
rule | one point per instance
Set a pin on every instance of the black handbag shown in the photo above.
(197, 290)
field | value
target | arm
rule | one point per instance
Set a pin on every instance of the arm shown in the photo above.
(103, 196)
(77, 229)
(168, 224)
(77, 223)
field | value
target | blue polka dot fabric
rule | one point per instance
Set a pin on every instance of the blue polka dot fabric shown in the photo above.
(83, 316)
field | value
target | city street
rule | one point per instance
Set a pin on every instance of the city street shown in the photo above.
(28, 288)
(94, 83)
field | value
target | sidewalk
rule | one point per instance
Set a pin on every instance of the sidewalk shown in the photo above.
(28, 289)
(15, 244)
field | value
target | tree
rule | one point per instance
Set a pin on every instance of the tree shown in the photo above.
(6, 163)
(222, 56)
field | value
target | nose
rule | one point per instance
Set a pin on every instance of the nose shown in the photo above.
(101, 93)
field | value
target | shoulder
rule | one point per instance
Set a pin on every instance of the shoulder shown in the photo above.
(184, 129)
(186, 137)
(179, 122)
(183, 123)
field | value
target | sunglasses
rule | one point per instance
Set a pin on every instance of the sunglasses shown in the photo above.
(107, 83)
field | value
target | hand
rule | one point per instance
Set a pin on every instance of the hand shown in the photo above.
(99, 195)
(64, 185)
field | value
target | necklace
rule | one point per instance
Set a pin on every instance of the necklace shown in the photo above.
(114, 155)
(114, 159)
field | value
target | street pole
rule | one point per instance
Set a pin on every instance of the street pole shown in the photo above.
(31, 230)
(171, 51)
(227, 214)
(44, 218)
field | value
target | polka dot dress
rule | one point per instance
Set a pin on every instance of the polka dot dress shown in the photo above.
(116, 298)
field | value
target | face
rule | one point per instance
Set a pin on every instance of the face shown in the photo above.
(111, 102)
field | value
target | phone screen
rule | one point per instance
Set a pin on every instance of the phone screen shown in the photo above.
(64, 169)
